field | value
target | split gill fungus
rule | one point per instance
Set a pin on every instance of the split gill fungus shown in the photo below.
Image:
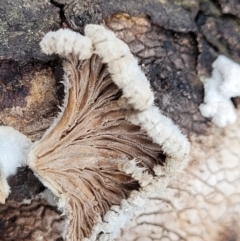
(110, 147)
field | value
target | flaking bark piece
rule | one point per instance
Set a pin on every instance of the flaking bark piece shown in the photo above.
(79, 158)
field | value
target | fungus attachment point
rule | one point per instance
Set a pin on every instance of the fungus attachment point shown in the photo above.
(100, 157)
(14, 147)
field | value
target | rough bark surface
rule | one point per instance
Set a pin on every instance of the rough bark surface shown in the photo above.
(176, 43)
(28, 221)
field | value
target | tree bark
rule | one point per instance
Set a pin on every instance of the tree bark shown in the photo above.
(175, 43)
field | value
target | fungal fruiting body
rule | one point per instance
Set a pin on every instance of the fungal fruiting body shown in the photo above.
(105, 152)
(219, 89)
(14, 147)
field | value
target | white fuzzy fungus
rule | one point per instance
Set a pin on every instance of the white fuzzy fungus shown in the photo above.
(219, 89)
(14, 147)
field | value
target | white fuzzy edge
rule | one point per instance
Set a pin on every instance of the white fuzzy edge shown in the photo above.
(128, 76)
(65, 42)
(122, 66)
(67, 86)
(165, 133)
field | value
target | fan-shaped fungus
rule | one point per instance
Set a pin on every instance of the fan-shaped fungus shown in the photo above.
(104, 153)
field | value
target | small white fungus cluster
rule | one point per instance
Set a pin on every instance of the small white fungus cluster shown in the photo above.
(128, 76)
(219, 89)
(14, 147)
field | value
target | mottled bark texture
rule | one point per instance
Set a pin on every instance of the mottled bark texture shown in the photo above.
(175, 42)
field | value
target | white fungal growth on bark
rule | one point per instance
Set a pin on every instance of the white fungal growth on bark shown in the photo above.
(219, 89)
(14, 147)
(72, 149)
